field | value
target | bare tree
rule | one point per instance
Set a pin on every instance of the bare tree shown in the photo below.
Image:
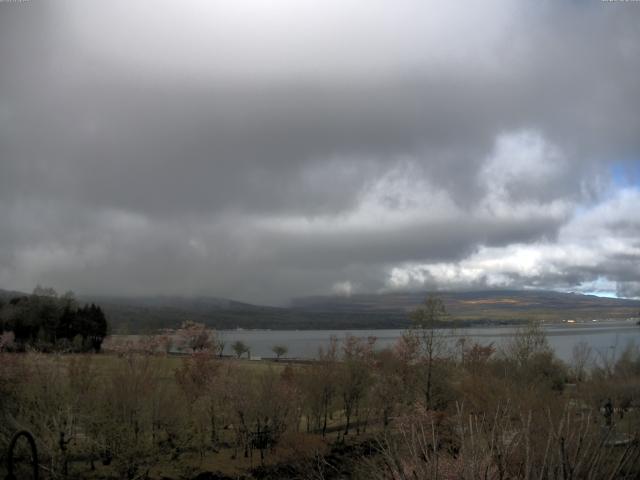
(355, 377)
(240, 348)
(427, 327)
(196, 336)
(319, 386)
(528, 341)
(581, 356)
(220, 344)
(279, 350)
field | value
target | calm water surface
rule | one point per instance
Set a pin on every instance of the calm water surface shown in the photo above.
(605, 338)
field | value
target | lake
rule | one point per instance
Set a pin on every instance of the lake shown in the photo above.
(605, 338)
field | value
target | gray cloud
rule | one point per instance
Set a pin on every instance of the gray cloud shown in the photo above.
(262, 152)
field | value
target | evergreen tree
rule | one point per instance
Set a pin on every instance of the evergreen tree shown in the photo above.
(48, 321)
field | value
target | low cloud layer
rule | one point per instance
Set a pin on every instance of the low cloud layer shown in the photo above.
(262, 151)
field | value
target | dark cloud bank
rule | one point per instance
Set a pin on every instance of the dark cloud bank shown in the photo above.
(264, 150)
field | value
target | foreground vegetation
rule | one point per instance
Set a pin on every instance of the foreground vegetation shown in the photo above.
(425, 408)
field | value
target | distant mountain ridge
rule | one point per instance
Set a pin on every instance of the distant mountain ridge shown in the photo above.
(8, 294)
(364, 311)
(197, 303)
(482, 305)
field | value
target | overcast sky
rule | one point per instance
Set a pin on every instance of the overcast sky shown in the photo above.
(263, 150)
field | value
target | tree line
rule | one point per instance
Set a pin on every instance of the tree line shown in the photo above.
(48, 322)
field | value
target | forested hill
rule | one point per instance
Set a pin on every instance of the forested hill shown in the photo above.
(134, 315)
(490, 305)
(146, 314)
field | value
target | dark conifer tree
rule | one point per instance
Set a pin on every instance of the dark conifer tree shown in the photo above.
(46, 321)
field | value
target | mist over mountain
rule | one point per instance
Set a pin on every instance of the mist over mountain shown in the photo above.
(362, 311)
(264, 151)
